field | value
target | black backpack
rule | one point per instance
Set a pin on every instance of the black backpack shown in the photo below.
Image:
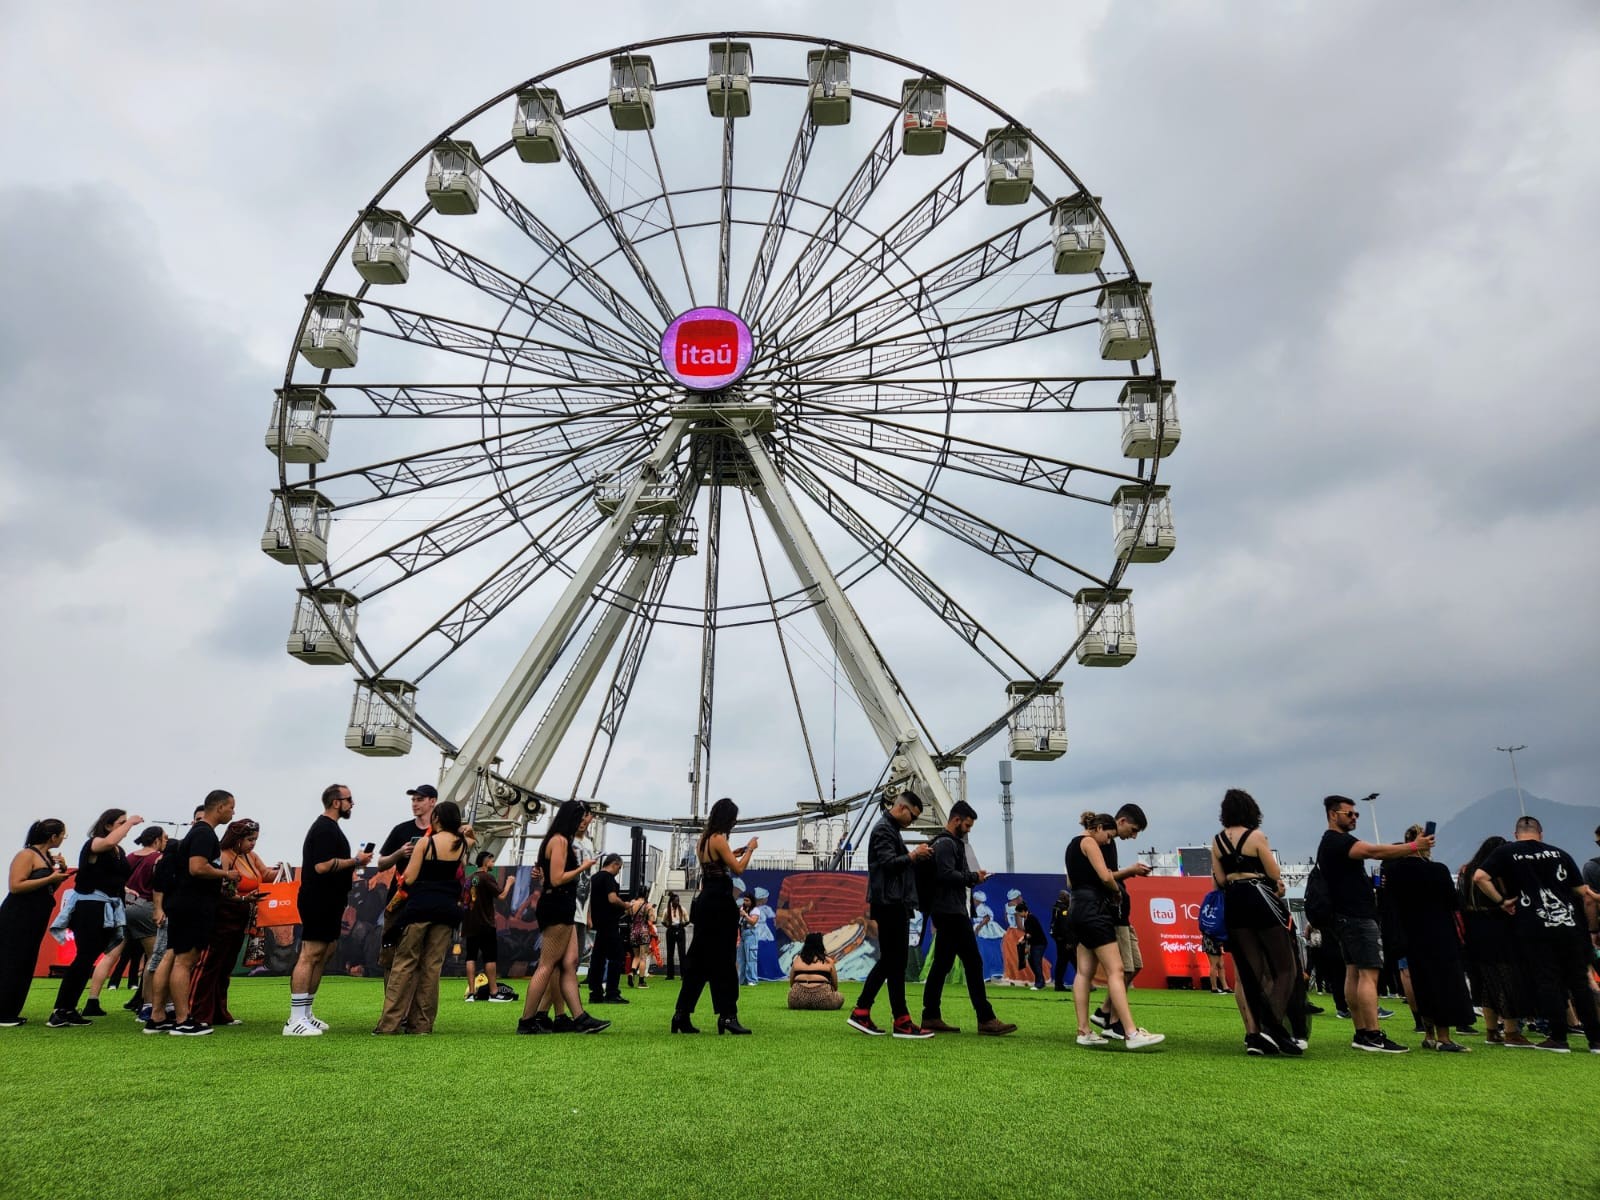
(1319, 900)
(927, 874)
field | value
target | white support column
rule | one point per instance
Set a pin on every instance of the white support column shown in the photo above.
(868, 675)
(541, 747)
(536, 662)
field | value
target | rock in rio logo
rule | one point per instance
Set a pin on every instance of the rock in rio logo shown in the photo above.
(706, 348)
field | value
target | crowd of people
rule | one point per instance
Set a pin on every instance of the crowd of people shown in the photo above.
(1501, 937)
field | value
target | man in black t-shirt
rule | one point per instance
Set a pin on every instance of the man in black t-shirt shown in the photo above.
(326, 869)
(1340, 856)
(1543, 889)
(192, 910)
(396, 848)
(158, 971)
(607, 910)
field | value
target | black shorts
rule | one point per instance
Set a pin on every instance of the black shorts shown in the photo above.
(189, 927)
(556, 908)
(1360, 943)
(481, 947)
(1093, 921)
(320, 922)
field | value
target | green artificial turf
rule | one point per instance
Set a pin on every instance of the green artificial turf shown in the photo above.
(806, 1107)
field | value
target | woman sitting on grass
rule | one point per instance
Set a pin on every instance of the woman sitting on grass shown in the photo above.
(431, 912)
(1095, 901)
(814, 978)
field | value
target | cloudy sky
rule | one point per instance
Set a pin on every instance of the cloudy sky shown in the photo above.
(1371, 235)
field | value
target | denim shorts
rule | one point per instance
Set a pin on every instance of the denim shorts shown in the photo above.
(1360, 943)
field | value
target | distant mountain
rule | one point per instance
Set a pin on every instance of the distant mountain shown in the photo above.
(1569, 826)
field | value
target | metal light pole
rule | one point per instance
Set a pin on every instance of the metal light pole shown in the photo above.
(1512, 751)
(1376, 836)
(1005, 810)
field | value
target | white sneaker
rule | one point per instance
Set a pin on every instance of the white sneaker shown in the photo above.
(1092, 1039)
(1140, 1038)
(300, 1029)
(320, 1025)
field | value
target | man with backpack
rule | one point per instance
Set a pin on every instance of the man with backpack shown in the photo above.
(891, 897)
(942, 883)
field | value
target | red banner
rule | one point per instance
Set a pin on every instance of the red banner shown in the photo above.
(1165, 913)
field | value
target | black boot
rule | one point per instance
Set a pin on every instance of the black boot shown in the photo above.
(730, 1025)
(680, 1023)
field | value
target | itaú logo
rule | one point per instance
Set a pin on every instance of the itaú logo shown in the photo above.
(706, 348)
(1163, 911)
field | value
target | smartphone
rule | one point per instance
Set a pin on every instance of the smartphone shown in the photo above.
(368, 847)
(1427, 830)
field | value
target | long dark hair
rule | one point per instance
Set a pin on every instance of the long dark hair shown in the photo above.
(42, 831)
(566, 821)
(1464, 883)
(447, 816)
(107, 821)
(238, 832)
(720, 820)
(812, 950)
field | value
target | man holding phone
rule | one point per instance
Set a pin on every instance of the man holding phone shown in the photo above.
(325, 873)
(396, 848)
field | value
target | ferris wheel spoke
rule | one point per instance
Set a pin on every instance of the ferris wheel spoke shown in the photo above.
(494, 345)
(950, 339)
(900, 564)
(836, 222)
(782, 207)
(531, 563)
(827, 323)
(545, 309)
(988, 394)
(481, 401)
(560, 252)
(725, 215)
(960, 523)
(984, 459)
(630, 252)
(496, 453)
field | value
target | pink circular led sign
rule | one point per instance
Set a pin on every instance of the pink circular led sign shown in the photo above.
(706, 349)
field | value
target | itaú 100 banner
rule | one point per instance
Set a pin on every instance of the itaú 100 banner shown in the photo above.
(1165, 912)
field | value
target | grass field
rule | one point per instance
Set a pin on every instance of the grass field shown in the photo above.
(475, 1111)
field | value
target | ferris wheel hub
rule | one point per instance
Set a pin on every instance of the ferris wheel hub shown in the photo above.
(707, 349)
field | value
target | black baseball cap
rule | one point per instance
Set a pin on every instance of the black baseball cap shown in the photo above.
(424, 789)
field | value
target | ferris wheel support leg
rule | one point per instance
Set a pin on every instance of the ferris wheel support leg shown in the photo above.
(868, 676)
(536, 662)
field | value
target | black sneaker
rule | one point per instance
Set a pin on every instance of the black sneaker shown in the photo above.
(531, 1025)
(1099, 1019)
(66, 1018)
(166, 1026)
(1315, 1010)
(135, 1003)
(13, 1022)
(861, 1021)
(588, 1023)
(1342, 1013)
(1383, 1044)
(563, 1024)
(616, 1000)
(1553, 1046)
(93, 1009)
(190, 1029)
(1259, 1045)
(1115, 1031)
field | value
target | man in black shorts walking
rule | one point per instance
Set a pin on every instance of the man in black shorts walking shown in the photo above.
(943, 893)
(1340, 856)
(193, 910)
(327, 867)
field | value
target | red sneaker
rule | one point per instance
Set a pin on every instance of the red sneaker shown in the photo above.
(861, 1020)
(904, 1028)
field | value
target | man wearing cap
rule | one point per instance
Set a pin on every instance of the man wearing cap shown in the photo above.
(396, 848)
(607, 911)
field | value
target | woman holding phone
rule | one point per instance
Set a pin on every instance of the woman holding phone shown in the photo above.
(713, 956)
(431, 913)
(557, 913)
(1426, 904)
(1096, 900)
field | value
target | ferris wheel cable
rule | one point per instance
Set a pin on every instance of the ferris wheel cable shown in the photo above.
(491, 280)
(904, 568)
(782, 205)
(725, 214)
(952, 519)
(884, 436)
(783, 647)
(672, 218)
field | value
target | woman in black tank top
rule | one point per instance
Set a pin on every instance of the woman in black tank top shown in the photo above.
(1266, 957)
(1092, 918)
(36, 872)
(557, 912)
(713, 957)
(102, 870)
(430, 915)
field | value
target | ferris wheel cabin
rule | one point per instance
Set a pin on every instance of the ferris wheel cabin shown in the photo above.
(1107, 640)
(632, 97)
(382, 250)
(454, 178)
(953, 774)
(380, 718)
(301, 426)
(536, 131)
(1143, 401)
(728, 79)
(1124, 321)
(298, 524)
(332, 335)
(829, 74)
(1008, 165)
(1156, 538)
(324, 626)
(1039, 727)
(1078, 235)
(926, 121)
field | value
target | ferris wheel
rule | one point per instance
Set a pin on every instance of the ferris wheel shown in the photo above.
(654, 375)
